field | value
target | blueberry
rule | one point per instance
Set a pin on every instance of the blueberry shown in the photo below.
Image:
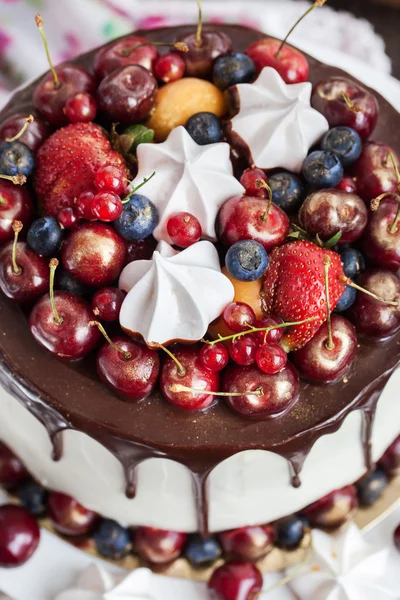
(344, 142)
(33, 497)
(230, 69)
(246, 260)
(289, 532)
(371, 487)
(204, 128)
(16, 159)
(346, 300)
(138, 219)
(200, 551)
(353, 262)
(287, 191)
(65, 281)
(322, 169)
(111, 539)
(44, 236)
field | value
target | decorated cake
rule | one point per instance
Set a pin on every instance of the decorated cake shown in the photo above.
(200, 301)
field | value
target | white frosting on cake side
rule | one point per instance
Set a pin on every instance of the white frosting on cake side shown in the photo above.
(277, 122)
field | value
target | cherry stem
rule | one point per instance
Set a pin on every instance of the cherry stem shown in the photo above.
(16, 179)
(261, 184)
(180, 46)
(135, 189)
(28, 121)
(181, 368)
(40, 25)
(53, 266)
(17, 227)
(199, 24)
(125, 354)
(392, 229)
(177, 388)
(316, 4)
(350, 104)
(327, 263)
(395, 166)
(351, 283)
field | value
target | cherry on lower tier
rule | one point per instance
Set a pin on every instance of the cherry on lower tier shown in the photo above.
(381, 240)
(396, 537)
(374, 171)
(235, 581)
(214, 357)
(80, 108)
(34, 135)
(140, 249)
(249, 218)
(128, 368)
(107, 302)
(334, 509)
(158, 546)
(290, 63)
(169, 67)
(31, 277)
(249, 180)
(248, 543)
(346, 102)
(238, 316)
(12, 471)
(15, 205)
(94, 253)
(19, 536)
(69, 517)
(264, 396)
(330, 211)
(127, 95)
(371, 316)
(122, 52)
(317, 362)
(204, 49)
(390, 461)
(193, 375)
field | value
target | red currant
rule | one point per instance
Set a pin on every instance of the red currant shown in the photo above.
(84, 205)
(184, 229)
(243, 350)
(214, 357)
(238, 316)
(273, 336)
(271, 358)
(107, 302)
(248, 181)
(67, 217)
(347, 184)
(107, 206)
(169, 67)
(81, 108)
(110, 179)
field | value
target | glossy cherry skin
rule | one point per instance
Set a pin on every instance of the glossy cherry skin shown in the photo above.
(235, 581)
(33, 137)
(238, 316)
(49, 100)
(328, 99)
(110, 179)
(107, 302)
(158, 546)
(84, 205)
(243, 350)
(141, 249)
(326, 212)
(316, 363)
(33, 279)
(115, 55)
(214, 357)
(248, 543)
(347, 185)
(169, 67)
(332, 510)
(19, 536)
(390, 461)
(184, 229)
(74, 337)
(271, 358)
(196, 376)
(290, 63)
(248, 218)
(127, 95)
(67, 217)
(80, 108)
(273, 336)
(69, 517)
(15, 205)
(248, 180)
(374, 172)
(94, 253)
(131, 378)
(12, 471)
(200, 59)
(279, 392)
(379, 244)
(370, 316)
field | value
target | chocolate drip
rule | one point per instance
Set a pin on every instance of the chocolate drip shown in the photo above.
(368, 416)
(296, 462)
(57, 442)
(200, 488)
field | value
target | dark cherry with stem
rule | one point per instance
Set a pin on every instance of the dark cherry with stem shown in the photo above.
(236, 580)
(130, 50)
(158, 546)
(249, 179)
(248, 543)
(15, 205)
(12, 471)
(69, 517)
(19, 536)
(60, 322)
(58, 85)
(381, 240)
(376, 171)
(31, 131)
(333, 510)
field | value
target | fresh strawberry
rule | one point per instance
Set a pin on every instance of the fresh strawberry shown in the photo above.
(67, 162)
(294, 288)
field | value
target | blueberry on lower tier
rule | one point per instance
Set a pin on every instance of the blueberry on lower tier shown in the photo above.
(246, 260)
(287, 191)
(33, 497)
(322, 169)
(111, 539)
(201, 551)
(16, 159)
(138, 219)
(371, 487)
(44, 236)
(346, 300)
(353, 262)
(290, 532)
(204, 128)
(344, 142)
(233, 68)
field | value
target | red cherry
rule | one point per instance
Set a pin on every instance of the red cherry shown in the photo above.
(69, 517)
(290, 63)
(390, 461)
(248, 543)
(107, 206)
(84, 205)
(214, 357)
(141, 249)
(374, 171)
(273, 336)
(248, 181)
(158, 546)
(184, 229)
(80, 108)
(203, 52)
(238, 316)
(169, 67)
(243, 350)
(67, 217)
(381, 240)
(107, 302)
(347, 184)
(34, 135)
(110, 179)
(131, 371)
(12, 471)
(19, 536)
(235, 581)
(93, 253)
(396, 537)
(120, 53)
(271, 358)
(30, 281)
(15, 205)
(333, 510)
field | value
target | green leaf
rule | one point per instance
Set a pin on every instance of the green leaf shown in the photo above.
(133, 135)
(333, 240)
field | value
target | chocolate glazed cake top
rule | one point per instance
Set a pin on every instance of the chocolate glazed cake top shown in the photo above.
(70, 395)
